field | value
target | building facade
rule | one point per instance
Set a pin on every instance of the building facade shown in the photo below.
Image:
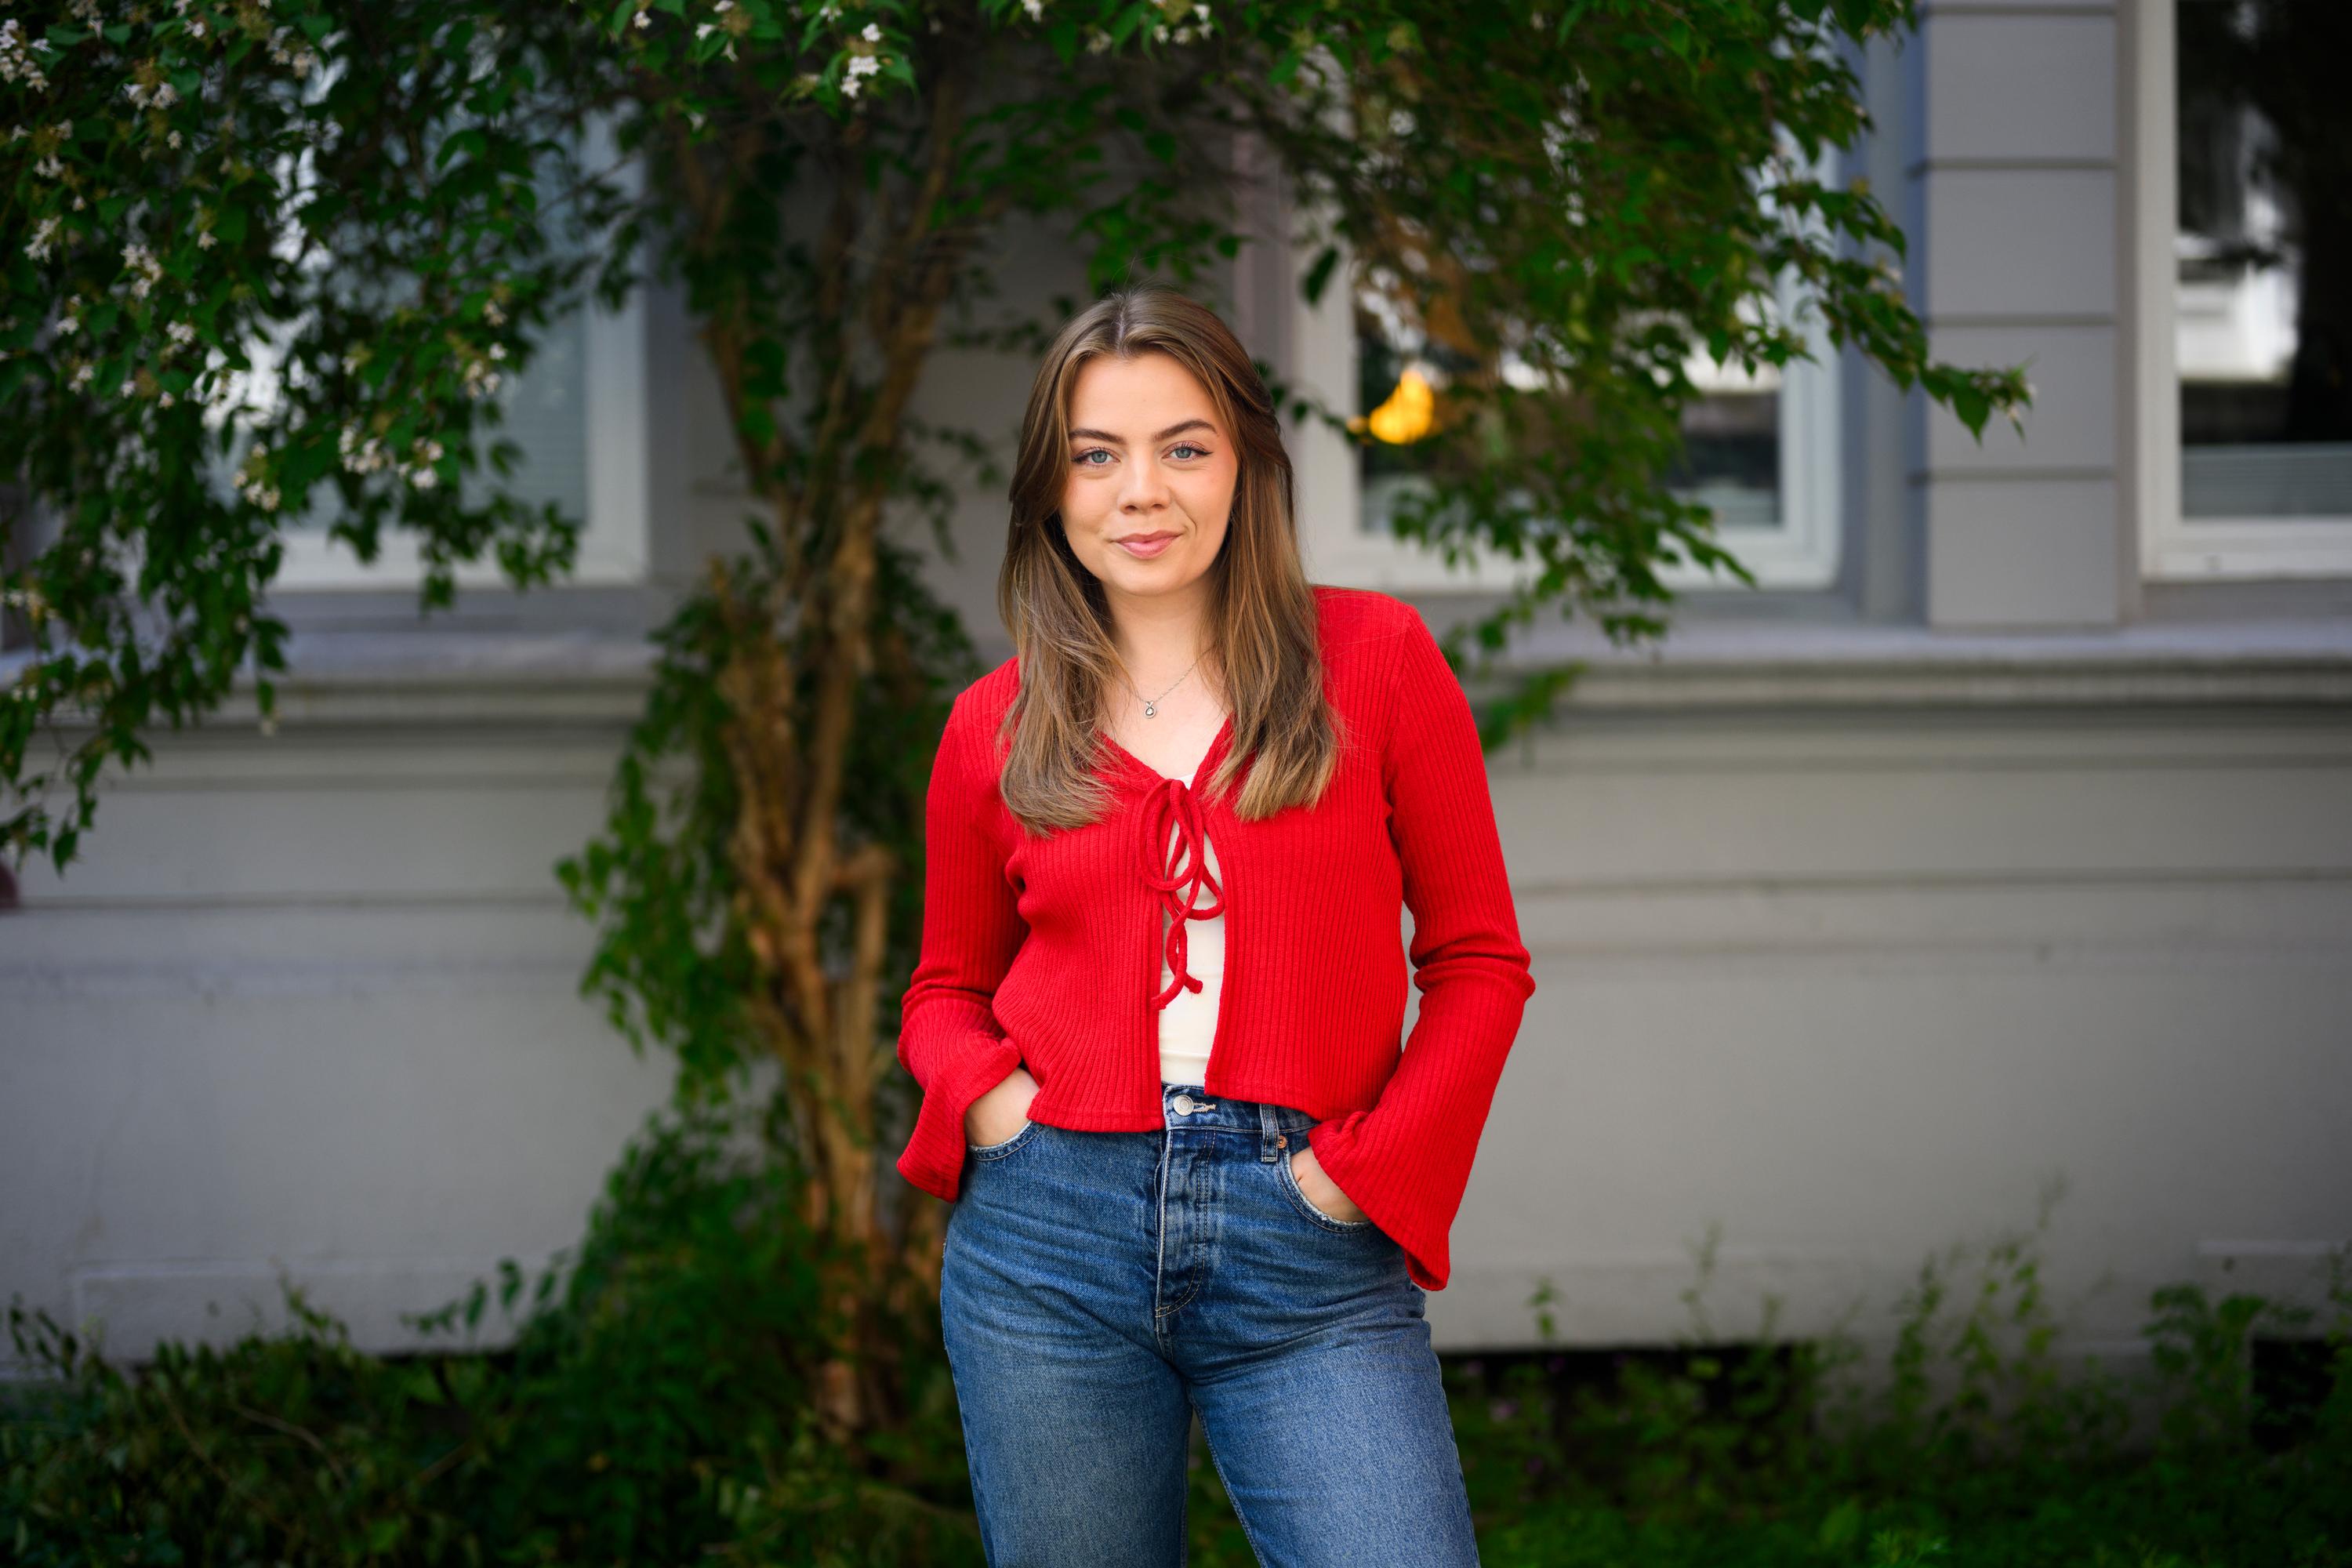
(1995, 846)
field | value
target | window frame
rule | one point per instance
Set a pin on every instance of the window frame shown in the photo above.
(1318, 354)
(614, 546)
(2173, 548)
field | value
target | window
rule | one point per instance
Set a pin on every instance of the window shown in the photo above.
(2245, 410)
(1760, 450)
(578, 411)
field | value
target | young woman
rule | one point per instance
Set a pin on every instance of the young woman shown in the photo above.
(1157, 1011)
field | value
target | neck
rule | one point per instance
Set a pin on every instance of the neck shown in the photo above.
(1158, 637)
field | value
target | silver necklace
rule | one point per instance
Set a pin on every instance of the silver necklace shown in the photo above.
(1151, 704)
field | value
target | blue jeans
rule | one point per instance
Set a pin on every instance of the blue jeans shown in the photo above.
(1098, 1287)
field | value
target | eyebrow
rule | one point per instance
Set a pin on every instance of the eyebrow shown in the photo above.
(1172, 430)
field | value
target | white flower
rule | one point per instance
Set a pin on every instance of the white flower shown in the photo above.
(872, 33)
(704, 29)
(206, 241)
(136, 257)
(849, 86)
(362, 458)
(1036, 9)
(864, 65)
(44, 234)
(644, 19)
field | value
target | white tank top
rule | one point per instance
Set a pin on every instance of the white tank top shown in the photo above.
(1188, 1025)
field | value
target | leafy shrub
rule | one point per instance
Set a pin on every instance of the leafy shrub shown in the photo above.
(1974, 1445)
(652, 1407)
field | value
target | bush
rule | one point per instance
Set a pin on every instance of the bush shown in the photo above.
(653, 1407)
(1971, 1446)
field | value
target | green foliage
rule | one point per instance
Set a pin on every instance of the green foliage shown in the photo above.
(1970, 1445)
(1591, 191)
(668, 967)
(400, 196)
(650, 1407)
(252, 274)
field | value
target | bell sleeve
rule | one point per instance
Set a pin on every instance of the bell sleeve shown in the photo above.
(949, 1040)
(1406, 1160)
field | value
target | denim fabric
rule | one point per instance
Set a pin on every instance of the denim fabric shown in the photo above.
(1098, 1287)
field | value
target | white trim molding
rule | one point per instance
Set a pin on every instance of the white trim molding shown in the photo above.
(2171, 546)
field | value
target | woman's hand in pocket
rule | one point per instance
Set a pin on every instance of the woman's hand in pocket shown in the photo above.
(1321, 1190)
(1000, 1113)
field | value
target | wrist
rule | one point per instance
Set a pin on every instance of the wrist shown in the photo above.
(1017, 1087)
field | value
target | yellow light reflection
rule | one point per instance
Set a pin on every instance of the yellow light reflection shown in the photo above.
(1407, 413)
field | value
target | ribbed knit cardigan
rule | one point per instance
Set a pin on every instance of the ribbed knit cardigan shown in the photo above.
(1045, 950)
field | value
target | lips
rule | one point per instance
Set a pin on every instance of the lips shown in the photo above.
(1145, 545)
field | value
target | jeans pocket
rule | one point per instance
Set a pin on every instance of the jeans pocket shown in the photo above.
(1288, 1179)
(997, 1150)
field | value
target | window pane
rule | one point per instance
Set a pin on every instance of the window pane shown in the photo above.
(1731, 445)
(544, 409)
(1731, 431)
(2263, 256)
(1401, 379)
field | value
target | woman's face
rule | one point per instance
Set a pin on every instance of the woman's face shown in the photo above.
(1151, 476)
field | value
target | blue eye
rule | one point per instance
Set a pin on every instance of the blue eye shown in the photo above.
(1189, 446)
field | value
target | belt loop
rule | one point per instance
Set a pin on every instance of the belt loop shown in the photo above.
(1268, 1151)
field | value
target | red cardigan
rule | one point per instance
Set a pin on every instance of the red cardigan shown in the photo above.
(1045, 950)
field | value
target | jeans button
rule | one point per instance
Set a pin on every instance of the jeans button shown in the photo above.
(1186, 1105)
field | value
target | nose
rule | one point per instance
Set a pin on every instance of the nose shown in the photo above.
(1147, 484)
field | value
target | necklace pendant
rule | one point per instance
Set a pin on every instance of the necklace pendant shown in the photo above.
(1150, 712)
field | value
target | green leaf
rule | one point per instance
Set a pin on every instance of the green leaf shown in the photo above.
(468, 142)
(1319, 274)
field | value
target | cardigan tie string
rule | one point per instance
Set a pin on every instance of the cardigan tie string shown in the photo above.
(1177, 874)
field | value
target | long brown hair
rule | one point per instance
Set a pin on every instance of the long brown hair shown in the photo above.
(1261, 618)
